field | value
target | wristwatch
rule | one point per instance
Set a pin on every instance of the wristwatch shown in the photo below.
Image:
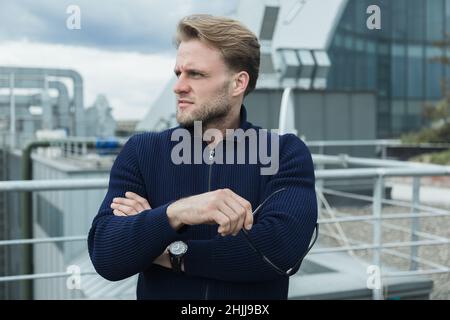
(177, 250)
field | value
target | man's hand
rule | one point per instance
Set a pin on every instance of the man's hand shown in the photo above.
(133, 204)
(130, 205)
(223, 207)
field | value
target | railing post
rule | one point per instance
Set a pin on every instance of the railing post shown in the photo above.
(286, 121)
(377, 292)
(12, 111)
(415, 223)
(66, 149)
(383, 151)
(319, 186)
(84, 148)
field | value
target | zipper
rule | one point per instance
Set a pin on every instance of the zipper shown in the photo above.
(211, 158)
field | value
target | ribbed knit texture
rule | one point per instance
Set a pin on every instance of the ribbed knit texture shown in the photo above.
(216, 267)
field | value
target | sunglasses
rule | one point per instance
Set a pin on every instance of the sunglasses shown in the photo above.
(292, 270)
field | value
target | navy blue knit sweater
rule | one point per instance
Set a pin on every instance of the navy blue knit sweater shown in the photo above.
(216, 267)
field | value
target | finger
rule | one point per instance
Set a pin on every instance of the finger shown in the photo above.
(223, 221)
(119, 213)
(123, 208)
(248, 221)
(130, 211)
(129, 203)
(238, 212)
(234, 217)
(242, 206)
(144, 203)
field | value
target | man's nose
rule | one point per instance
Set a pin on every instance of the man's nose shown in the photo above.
(181, 85)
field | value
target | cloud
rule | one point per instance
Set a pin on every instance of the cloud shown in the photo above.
(139, 25)
(123, 50)
(131, 81)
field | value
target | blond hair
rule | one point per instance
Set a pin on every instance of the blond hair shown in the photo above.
(238, 45)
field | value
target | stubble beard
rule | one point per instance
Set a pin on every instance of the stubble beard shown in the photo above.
(208, 113)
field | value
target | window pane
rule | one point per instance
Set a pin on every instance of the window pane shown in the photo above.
(415, 71)
(433, 73)
(398, 71)
(398, 116)
(416, 20)
(399, 22)
(371, 71)
(435, 23)
(447, 16)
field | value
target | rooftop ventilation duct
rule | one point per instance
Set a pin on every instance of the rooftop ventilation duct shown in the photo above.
(311, 66)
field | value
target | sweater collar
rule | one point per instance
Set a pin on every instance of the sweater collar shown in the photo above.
(244, 124)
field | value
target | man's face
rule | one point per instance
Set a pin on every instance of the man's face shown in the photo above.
(203, 88)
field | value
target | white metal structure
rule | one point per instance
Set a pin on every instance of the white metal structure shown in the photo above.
(293, 53)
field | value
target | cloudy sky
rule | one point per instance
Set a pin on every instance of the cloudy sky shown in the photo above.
(123, 49)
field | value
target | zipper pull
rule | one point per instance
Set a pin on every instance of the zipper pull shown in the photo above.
(211, 155)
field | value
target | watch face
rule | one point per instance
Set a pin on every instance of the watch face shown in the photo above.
(178, 248)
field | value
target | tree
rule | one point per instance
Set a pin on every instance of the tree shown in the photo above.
(439, 113)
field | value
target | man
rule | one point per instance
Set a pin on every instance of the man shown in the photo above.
(188, 229)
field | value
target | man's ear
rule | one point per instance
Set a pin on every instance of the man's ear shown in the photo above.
(240, 83)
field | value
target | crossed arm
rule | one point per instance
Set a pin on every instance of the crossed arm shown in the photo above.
(122, 246)
(230, 211)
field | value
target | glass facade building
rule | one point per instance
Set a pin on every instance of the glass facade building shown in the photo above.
(399, 62)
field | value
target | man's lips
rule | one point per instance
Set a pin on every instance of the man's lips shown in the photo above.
(184, 103)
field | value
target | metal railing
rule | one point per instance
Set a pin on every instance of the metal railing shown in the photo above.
(48, 185)
(379, 174)
(381, 145)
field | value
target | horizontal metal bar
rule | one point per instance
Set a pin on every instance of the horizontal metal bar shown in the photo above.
(426, 235)
(49, 185)
(378, 142)
(386, 245)
(42, 240)
(349, 143)
(345, 159)
(388, 251)
(383, 200)
(415, 258)
(74, 139)
(343, 217)
(65, 274)
(43, 276)
(73, 184)
(386, 216)
(393, 274)
(381, 172)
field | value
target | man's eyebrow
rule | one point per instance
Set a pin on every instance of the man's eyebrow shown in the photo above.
(177, 70)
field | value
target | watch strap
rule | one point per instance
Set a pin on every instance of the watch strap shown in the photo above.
(175, 261)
